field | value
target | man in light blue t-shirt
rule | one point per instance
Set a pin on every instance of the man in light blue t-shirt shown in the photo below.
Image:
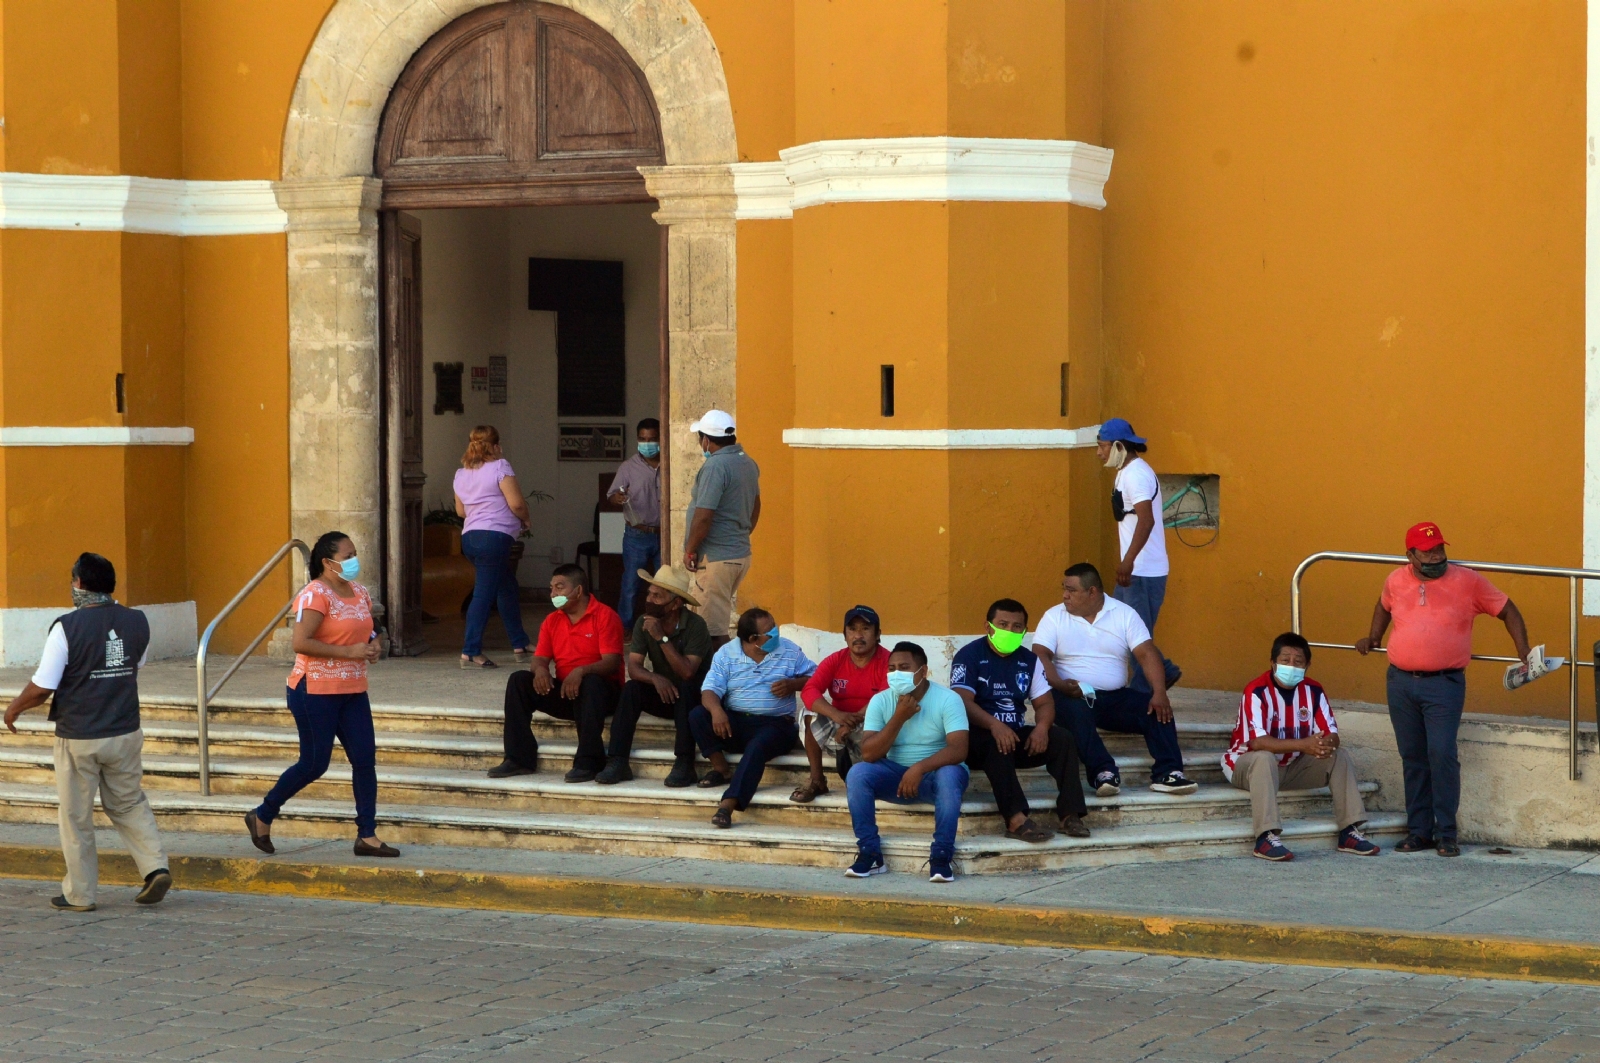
(913, 748)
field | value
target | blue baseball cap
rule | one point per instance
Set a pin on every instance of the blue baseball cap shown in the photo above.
(1117, 430)
(862, 612)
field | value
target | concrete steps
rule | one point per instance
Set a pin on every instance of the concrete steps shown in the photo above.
(433, 790)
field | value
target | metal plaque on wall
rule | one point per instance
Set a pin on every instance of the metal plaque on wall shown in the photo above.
(497, 380)
(589, 442)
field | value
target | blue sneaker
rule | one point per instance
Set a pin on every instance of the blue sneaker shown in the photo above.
(939, 870)
(1270, 847)
(866, 866)
(1353, 843)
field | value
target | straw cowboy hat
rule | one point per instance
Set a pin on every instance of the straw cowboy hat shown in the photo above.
(671, 578)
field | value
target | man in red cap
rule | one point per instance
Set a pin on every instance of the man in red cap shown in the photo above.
(1433, 604)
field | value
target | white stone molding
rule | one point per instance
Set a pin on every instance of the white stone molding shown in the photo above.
(96, 436)
(23, 631)
(763, 191)
(942, 438)
(947, 169)
(138, 205)
(1591, 328)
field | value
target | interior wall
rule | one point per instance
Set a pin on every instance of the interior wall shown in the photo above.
(475, 304)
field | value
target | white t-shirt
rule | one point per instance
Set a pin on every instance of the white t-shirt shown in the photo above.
(1095, 653)
(53, 662)
(1137, 482)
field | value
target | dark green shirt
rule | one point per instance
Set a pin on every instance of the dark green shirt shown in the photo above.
(692, 639)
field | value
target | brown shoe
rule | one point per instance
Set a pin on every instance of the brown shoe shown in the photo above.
(261, 839)
(1030, 832)
(381, 849)
(1073, 826)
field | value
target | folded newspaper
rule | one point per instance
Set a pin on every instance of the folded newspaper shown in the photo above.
(1538, 665)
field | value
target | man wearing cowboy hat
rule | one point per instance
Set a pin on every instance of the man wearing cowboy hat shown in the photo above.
(723, 511)
(678, 646)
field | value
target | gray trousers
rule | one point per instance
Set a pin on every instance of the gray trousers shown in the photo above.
(112, 766)
(1258, 772)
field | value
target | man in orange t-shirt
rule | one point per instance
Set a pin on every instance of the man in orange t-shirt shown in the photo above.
(1432, 604)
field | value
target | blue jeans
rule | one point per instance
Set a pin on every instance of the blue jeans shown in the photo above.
(879, 780)
(639, 550)
(1425, 712)
(1144, 596)
(1125, 711)
(320, 718)
(490, 553)
(758, 738)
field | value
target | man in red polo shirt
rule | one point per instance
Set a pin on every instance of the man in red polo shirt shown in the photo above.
(1432, 604)
(583, 638)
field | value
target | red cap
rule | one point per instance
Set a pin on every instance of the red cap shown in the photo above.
(1424, 536)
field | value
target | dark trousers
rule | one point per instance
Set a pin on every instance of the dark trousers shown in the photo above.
(1125, 711)
(640, 697)
(597, 699)
(1060, 758)
(1425, 712)
(494, 586)
(321, 718)
(759, 738)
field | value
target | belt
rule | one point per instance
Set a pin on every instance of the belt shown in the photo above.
(1430, 675)
(648, 529)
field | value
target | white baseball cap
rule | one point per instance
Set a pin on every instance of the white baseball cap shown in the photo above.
(715, 424)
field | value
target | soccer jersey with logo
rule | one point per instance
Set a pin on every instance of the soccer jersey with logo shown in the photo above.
(1001, 685)
(1266, 711)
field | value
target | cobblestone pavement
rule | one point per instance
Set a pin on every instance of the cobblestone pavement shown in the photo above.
(224, 977)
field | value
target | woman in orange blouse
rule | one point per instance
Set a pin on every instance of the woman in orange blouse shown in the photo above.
(333, 644)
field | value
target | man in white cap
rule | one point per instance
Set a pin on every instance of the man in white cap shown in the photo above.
(722, 513)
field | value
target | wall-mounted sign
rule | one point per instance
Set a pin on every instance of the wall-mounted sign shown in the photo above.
(447, 387)
(589, 442)
(480, 378)
(497, 380)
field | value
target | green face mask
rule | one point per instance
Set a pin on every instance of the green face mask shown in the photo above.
(1007, 642)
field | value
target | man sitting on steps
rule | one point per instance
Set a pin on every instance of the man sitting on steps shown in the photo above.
(1084, 644)
(1286, 738)
(583, 638)
(679, 648)
(835, 697)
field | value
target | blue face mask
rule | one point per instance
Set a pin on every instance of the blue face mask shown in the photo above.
(1288, 675)
(771, 642)
(350, 568)
(902, 683)
(649, 450)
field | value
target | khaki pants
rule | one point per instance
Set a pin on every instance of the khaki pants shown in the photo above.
(1258, 772)
(716, 584)
(114, 768)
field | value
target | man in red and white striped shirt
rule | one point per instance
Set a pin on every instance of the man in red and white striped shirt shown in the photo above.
(1286, 738)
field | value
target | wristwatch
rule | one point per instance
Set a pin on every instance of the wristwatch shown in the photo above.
(666, 638)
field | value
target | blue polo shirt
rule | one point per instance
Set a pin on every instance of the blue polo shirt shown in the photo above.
(746, 686)
(1000, 685)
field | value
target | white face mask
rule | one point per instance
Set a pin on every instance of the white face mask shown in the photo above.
(1118, 455)
(902, 682)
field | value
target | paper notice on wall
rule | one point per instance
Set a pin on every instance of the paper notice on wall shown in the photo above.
(1538, 665)
(497, 380)
(480, 378)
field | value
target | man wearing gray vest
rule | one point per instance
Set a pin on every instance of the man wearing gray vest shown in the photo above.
(90, 663)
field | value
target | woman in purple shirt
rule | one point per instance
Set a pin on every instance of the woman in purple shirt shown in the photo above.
(488, 497)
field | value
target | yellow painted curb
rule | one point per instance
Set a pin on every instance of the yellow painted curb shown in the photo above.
(1477, 957)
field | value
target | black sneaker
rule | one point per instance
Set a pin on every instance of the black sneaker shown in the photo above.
(61, 904)
(940, 870)
(507, 768)
(1176, 783)
(866, 866)
(1415, 843)
(581, 775)
(682, 774)
(615, 771)
(1107, 784)
(156, 885)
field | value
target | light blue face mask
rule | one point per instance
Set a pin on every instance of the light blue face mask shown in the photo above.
(771, 641)
(559, 600)
(1288, 675)
(902, 683)
(350, 567)
(649, 450)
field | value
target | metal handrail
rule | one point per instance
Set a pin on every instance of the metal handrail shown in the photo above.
(204, 696)
(1571, 575)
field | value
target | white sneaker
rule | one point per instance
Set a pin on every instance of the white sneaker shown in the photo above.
(1106, 784)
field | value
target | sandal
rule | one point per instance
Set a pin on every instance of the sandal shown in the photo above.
(524, 655)
(475, 662)
(1031, 833)
(1073, 826)
(712, 778)
(723, 818)
(809, 791)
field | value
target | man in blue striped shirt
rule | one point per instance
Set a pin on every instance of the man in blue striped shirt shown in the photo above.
(747, 706)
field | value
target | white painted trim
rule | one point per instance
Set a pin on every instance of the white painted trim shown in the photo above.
(763, 191)
(138, 205)
(99, 436)
(942, 438)
(945, 169)
(1591, 327)
(22, 632)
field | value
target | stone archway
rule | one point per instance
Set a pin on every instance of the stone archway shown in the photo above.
(332, 201)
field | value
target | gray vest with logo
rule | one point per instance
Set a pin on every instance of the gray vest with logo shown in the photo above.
(99, 692)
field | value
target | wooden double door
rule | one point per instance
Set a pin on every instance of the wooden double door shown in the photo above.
(515, 104)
